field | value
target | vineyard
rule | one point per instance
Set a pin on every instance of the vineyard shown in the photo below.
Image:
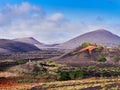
(83, 84)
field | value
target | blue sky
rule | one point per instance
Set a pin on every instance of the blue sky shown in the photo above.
(75, 8)
(64, 19)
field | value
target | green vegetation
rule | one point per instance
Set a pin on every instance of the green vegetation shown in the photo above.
(103, 53)
(70, 75)
(116, 58)
(19, 62)
(91, 71)
(91, 67)
(50, 62)
(85, 44)
(46, 71)
(101, 72)
(102, 59)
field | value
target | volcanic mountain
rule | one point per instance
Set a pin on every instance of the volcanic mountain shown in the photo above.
(101, 37)
(29, 40)
(9, 46)
(33, 41)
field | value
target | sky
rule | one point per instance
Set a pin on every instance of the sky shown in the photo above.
(56, 21)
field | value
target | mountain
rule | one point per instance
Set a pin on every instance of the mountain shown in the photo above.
(10, 46)
(29, 40)
(101, 36)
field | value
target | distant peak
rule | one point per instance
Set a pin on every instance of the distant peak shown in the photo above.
(102, 30)
(30, 40)
(25, 38)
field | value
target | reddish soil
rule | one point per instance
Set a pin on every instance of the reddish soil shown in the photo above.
(7, 82)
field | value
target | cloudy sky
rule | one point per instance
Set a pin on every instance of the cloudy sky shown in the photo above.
(56, 21)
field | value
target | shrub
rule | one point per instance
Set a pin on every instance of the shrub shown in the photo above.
(70, 75)
(85, 44)
(79, 74)
(92, 67)
(102, 59)
(63, 75)
(19, 62)
(116, 58)
(103, 53)
(50, 61)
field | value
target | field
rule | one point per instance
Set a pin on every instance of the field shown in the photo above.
(52, 76)
(82, 84)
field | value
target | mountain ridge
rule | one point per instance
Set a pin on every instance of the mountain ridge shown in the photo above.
(100, 36)
(29, 40)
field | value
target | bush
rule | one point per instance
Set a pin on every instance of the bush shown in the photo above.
(85, 44)
(116, 58)
(79, 74)
(50, 61)
(102, 59)
(103, 53)
(70, 75)
(63, 75)
(91, 67)
(19, 62)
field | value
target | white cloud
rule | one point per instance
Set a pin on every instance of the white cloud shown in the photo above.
(11, 13)
(29, 20)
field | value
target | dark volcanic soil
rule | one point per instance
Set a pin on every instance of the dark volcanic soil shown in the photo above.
(86, 59)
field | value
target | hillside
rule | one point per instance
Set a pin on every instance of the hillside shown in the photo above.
(102, 37)
(10, 46)
(83, 57)
(29, 40)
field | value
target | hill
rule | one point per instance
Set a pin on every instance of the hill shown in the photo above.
(101, 37)
(10, 46)
(91, 55)
(29, 40)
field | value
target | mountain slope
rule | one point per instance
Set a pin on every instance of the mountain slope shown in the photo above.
(29, 40)
(10, 46)
(102, 37)
(82, 57)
